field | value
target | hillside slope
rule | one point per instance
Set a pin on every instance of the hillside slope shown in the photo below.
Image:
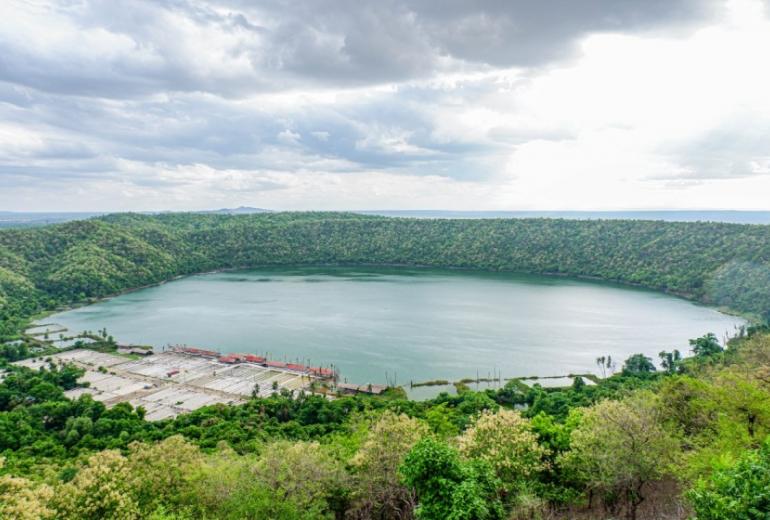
(718, 264)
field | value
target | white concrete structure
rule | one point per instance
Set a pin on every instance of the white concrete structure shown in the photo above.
(171, 383)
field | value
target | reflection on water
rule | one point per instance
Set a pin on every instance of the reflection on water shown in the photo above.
(412, 325)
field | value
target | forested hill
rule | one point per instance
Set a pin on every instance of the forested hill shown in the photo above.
(720, 264)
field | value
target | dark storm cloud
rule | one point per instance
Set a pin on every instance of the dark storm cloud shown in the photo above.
(86, 138)
(524, 33)
(151, 93)
(276, 44)
(390, 40)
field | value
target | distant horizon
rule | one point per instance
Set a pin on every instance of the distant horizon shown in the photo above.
(762, 217)
(360, 210)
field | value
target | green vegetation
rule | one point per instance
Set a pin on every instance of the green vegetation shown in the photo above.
(434, 382)
(740, 490)
(636, 445)
(40, 268)
(688, 439)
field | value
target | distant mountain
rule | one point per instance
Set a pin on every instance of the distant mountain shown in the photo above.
(28, 219)
(9, 219)
(242, 210)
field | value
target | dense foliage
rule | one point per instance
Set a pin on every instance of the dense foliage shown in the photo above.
(723, 264)
(740, 491)
(640, 443)
(633, 445)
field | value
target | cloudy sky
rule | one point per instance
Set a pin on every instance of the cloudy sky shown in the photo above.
(391, 104)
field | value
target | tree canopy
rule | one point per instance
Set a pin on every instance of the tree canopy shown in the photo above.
(720, 264)
(520, 451)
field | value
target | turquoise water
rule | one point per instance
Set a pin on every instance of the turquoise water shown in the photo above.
(381, 325)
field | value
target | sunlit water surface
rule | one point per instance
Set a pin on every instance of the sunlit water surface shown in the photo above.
(379, 325)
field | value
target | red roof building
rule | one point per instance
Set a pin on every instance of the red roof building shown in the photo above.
(321, 372)
(197, 351)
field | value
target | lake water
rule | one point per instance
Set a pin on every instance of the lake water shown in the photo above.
(380, 325)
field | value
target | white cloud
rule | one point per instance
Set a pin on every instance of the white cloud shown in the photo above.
(288, 137)
(181, 105)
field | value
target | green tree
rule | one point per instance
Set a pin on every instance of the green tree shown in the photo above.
(504, 440)
(619, 447)
(601, 362)
(689, 404)
(670, 361)
(161, 471)
(449, 489)
(288, 481)
(442, 420)
(101, 489)
(378, 490)
(706, 346)
(22, 499)
(638, 365)
(739, 492)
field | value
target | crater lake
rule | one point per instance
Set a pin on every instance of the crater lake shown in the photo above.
(380, 325)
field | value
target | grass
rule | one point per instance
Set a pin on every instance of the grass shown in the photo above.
(435, 382)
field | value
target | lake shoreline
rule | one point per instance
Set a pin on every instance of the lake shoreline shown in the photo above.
(478, 321)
